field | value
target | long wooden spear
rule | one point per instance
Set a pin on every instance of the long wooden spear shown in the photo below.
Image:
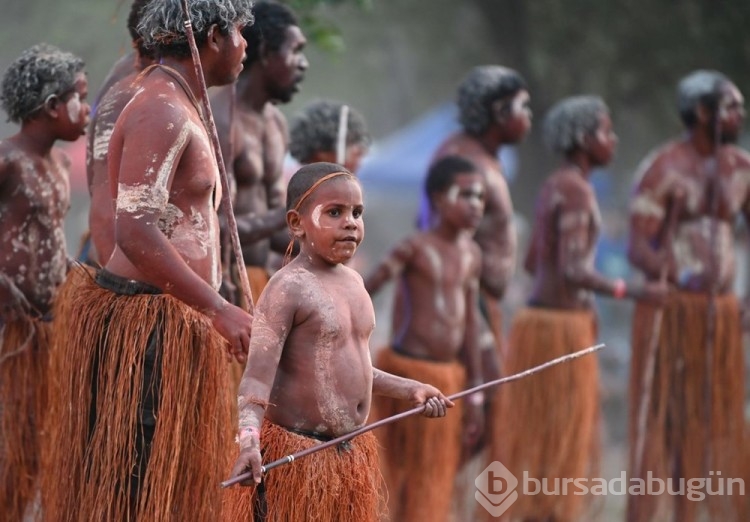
(653, 343)
(226, 196)
(414, 411)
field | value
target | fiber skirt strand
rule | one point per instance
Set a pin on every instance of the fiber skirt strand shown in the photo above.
(547, 425)
(23, 378)
(420, 456)
(333, 485)
(680, 439)
(88, 469)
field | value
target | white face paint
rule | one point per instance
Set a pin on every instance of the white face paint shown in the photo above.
(452, 193)
(74, 107)
(316, 213)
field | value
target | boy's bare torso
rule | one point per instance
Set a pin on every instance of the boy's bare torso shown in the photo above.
(35, 198)
(324, 379)
(435, 286)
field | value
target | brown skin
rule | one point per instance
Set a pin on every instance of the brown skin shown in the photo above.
(165, 182)
(254, 141)
(566, 228)
(440, 270)
(116, 92)
(310, 357)
(34, 198)
(701, 255)
(496, 234)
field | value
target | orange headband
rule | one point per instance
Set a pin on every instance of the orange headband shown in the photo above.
(288, 254)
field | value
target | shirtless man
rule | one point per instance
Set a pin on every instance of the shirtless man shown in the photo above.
(151, 332)
(696, 186)
(254, 132)
(309, 376)
(116, 92)
(44, 90)
(438, 271)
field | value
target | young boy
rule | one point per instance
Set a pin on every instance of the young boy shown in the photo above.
(45, 91)
(551, 421)
(309, 376)
(434, 340)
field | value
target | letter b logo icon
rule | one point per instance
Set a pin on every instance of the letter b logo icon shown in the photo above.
(496, 487)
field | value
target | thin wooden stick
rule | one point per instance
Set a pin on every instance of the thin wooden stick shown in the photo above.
(226, 197)
(414, 411)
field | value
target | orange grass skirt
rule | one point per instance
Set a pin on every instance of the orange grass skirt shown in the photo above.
(24, 346)
(420, 456)
(680, 439)
(547, 425)
(88, 468)
(332, 485)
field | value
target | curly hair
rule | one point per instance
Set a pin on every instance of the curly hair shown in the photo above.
(570, 120)
(316, 129)
(271, 22)
(480, 88)
(701, 87)
(162, 23)
(40, 71)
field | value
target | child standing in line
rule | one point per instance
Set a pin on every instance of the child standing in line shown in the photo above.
(435, 340)
(45, 91)
(309, 377)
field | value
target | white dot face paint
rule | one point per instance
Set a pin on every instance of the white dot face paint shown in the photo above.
(74, 107)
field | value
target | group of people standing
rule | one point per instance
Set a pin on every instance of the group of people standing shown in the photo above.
(132, 384)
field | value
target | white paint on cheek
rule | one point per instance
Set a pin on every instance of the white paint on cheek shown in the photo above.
(316, 213)
(452, 194)
(74, 107)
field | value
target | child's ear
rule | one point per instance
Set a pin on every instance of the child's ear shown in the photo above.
(293, 221)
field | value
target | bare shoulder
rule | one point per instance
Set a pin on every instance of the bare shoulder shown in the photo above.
(9, 162)
(658, 162)
(740, 157)
(274, 115)
(61, 157)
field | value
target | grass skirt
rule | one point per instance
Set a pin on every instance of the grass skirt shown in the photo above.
(23, 378)
(681, 441)
(332, 485)
(420, 456)
(92, 450)
(547, 425)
